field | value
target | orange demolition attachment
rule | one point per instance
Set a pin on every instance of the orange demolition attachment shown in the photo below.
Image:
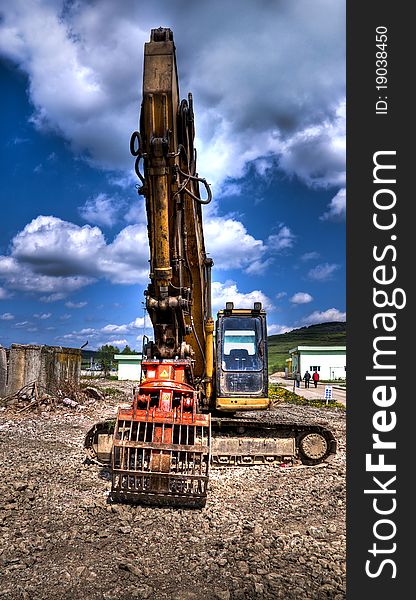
(161, 446)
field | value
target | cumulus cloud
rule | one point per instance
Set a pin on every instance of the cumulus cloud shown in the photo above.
(53, 247)
(230, 245)
(337, 207)
(85, 75)
(42, 316)
(317, 154)
(82, 83)
(301, 298)
(228, 292)
(57, 257)
(323, 272)
(331, 314)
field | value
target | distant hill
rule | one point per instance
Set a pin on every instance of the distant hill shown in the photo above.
(323, 334)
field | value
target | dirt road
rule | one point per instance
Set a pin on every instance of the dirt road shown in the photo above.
(266, 532)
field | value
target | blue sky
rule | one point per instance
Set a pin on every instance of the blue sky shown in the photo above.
(269, 100)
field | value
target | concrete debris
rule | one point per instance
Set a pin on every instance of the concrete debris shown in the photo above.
(33, 397)
(93, 392)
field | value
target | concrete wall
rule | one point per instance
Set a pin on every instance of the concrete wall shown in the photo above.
(49, 366)
(3, 371)
(129, 371)
(332, 366)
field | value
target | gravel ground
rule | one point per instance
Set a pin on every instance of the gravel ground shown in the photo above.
(265, 532)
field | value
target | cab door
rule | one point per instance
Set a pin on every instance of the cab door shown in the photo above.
(242, 377)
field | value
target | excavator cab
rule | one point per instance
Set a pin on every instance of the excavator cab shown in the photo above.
(241, 359)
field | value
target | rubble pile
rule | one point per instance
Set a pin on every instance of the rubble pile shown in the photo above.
(266, 532)
(32, 396)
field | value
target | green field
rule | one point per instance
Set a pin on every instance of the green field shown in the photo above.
(324, 334)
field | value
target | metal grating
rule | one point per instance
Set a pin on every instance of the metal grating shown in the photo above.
(160, 459)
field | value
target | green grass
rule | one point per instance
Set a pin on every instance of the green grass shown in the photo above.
(324, 334)
(281, 395)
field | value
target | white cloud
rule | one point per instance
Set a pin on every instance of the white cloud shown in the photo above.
(331, 314)
(228, 292)
(309, 256)
(125, 260)
(138, 322)
(82, 76)
(282, 240)
(57, 257)
(85, 76)
(6, 317)
(337, 207)
(301, 298)
(259, 267)
(231, 247)
(75, 304)
(108, 330)
(274, 329)
(280, 295)
(118, 343)
(42, 316)
(101, 210)
(54, 247)
(115, 329)
(136, 213)
(55, 297)
(317, 154)
(323, 272)
(108, 334)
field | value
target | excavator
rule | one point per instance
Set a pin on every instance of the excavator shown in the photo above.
(202, 399)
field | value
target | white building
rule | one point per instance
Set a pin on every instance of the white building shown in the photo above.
(129, 366)
(329, 361)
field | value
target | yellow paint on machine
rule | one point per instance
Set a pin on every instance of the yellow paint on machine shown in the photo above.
(232, 404)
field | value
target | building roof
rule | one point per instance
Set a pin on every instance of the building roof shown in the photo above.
(318, 349)
(131, 357)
